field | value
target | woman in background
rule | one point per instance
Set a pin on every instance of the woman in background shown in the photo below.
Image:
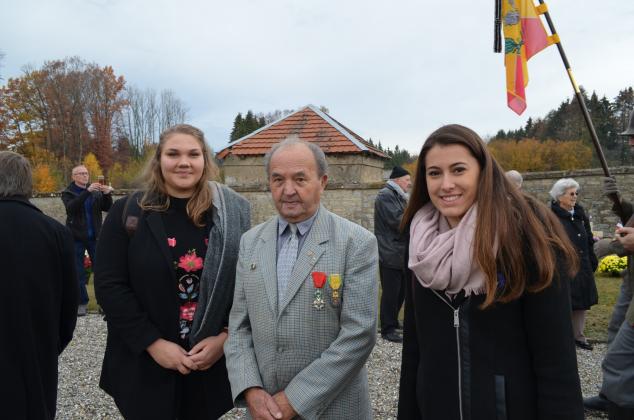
(487, 330)
(583, 289)
(165, 279)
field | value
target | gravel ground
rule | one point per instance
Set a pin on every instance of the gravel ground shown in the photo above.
(80, 397)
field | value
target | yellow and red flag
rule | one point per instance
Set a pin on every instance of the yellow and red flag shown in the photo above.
(524, 36)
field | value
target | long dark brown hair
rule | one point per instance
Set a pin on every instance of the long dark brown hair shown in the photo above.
(516, 221)
(156, 197)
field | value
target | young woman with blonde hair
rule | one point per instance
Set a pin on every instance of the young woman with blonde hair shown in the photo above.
(165, 281)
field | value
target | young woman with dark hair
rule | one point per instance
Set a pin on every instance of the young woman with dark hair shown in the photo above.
(487, 331)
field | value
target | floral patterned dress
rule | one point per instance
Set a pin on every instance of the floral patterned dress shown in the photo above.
(188, 245)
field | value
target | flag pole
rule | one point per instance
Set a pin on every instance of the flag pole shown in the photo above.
(582, 104)
(580, 100)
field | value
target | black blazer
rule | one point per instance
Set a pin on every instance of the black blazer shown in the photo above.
(39, 307)
(135, 285)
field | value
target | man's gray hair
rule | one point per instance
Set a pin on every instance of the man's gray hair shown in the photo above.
(15, 175)
(515, 177)
(561, 186)
(293, 139)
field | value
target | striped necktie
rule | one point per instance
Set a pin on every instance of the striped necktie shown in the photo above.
(286, 261)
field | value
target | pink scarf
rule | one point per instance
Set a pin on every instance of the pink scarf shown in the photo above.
(441, 257)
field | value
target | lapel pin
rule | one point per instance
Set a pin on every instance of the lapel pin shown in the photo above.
(252, 266)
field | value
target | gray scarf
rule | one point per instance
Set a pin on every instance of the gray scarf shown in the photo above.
(231, 216)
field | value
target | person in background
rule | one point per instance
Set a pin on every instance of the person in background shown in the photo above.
(487, 331)
(165, 278)
(39, 308)
(84, 203)
(388, 209)
(515, 178)
(617, 389)
(583, 289)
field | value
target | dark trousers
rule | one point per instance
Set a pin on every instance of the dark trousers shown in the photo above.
(80, 248)
(393, 288)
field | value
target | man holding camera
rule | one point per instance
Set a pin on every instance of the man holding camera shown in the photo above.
(84, 203)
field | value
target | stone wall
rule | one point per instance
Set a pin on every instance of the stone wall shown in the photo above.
(248, 171)
(356, 201)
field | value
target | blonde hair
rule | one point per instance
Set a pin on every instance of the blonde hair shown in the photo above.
(155, 195)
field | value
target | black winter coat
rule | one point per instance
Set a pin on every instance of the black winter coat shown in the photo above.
(583, 289)
(136, 285)
(388, 211)
(76, 216)
(514, 361)
(39, 308)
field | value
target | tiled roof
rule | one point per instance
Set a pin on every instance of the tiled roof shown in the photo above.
(310, 124)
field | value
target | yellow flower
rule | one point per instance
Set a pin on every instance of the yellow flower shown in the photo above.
(612, 265)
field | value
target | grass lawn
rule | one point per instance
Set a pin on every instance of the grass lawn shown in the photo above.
(598, 316)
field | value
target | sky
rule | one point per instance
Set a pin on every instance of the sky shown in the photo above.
(390, 71)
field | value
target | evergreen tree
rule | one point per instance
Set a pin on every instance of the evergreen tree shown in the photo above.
(237, 128)
(566, 123)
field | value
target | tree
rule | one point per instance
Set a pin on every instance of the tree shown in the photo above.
(398, 157)
(146, 115)
(531, 155)
(43, 180)
(237, 127)
(92, 164)
(566, 123)
(247, 125)
(104, 102)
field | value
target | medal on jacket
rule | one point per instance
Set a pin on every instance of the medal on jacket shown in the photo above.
(334, 280)
(319, 279)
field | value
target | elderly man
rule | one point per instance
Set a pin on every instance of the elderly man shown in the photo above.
(84, 203)
(38, 311)
(617, 390)
(388, 210)
(303, 320)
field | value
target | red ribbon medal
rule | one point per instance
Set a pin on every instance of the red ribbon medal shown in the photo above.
(319, 279)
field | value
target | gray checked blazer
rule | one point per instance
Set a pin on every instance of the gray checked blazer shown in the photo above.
(317, 356)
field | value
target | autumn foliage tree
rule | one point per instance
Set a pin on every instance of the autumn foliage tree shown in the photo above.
(60, 113)
(531, 155)
(91, 163)
(43, 180)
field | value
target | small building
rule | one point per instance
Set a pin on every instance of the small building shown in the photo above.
(351, 159)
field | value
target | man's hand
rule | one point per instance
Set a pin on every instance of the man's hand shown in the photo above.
(610, 188)
(171, 356)
(288, 412)
(261, 405)
(105, 189)
(95, 186)
(625, 236)
(208, 351)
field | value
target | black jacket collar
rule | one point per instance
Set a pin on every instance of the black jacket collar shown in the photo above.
(20, 199)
